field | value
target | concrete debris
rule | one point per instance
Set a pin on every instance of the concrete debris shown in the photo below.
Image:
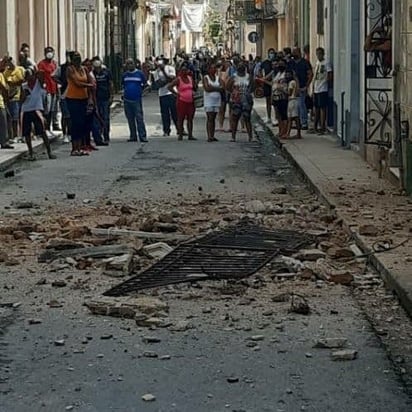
(181, 326)
(149, 322)
(151, 339)
(255, 206)
(339, 253)
(311, 255)
(256, 338)
(368, 230)
(150, 354)
(114, 232)
(158, 250)
(299, 304)
(149, 397)
(63, 244)
(94, 252)
(344, 355)
(128, 307)
(331, 343)
(325, 271)
(60, 342)
(59, 284)
(118, 266)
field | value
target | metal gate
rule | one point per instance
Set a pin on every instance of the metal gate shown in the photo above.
(378, 72)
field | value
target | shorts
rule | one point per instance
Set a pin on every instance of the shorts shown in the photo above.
(320, 100)
(293, 108)
(242, 110)
(281, 107)
(64, 109)
(185, 109)
(36, 119)
(212, 109)
(14, 109)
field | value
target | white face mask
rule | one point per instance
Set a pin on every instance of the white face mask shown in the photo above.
(49, 55)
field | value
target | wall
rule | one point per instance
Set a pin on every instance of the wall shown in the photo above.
(49, 22)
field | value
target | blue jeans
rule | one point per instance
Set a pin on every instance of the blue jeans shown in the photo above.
(168, 111)
(303, 110)
(134, 114)
(103, 108)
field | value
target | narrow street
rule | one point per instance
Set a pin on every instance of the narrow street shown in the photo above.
(208, 346)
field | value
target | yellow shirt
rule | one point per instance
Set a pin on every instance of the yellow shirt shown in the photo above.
(3, 83)
(14, 79)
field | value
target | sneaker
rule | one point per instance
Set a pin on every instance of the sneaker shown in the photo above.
(66, 139)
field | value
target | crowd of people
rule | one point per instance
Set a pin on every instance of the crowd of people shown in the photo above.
(32, 94)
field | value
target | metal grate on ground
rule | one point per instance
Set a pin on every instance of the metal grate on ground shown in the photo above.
(251, 236)
(235, 253)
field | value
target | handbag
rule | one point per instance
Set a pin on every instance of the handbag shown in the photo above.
(198, 99)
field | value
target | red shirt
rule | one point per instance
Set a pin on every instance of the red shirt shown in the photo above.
(48, 67)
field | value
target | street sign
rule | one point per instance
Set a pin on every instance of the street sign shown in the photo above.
(253, 37)
(84, 5)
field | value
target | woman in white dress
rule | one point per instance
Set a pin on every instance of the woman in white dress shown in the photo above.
(213, 87)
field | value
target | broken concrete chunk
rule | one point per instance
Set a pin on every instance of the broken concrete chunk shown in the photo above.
(181, 326)
(158, 250)
(368, 230)
(127, 307)
(123, 263)
(151, 339)
(341, 277)
(63, 244)
(331, 343)
(149, 397)
(344, 355)
(255, 206)
(166, 227)
(311, 255)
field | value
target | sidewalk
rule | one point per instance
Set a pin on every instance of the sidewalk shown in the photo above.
(365, 203)
(8, 157)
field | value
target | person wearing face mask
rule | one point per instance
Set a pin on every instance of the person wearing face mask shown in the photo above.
(78, 98)
(267, 71)
(104, 98)
(240, 87)
(280, 98)
(304, 73)
(163, 75)
(48, 67)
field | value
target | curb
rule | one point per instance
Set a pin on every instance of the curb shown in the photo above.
(9, 162)
(387, 275)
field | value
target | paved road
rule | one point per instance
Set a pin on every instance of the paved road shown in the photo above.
(283, 373)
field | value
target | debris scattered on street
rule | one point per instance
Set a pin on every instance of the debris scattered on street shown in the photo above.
(344, 355)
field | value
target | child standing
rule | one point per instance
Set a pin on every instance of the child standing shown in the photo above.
(293, 105)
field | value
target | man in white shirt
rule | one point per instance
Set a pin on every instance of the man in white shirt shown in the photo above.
(321, 82)
(163, 75)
